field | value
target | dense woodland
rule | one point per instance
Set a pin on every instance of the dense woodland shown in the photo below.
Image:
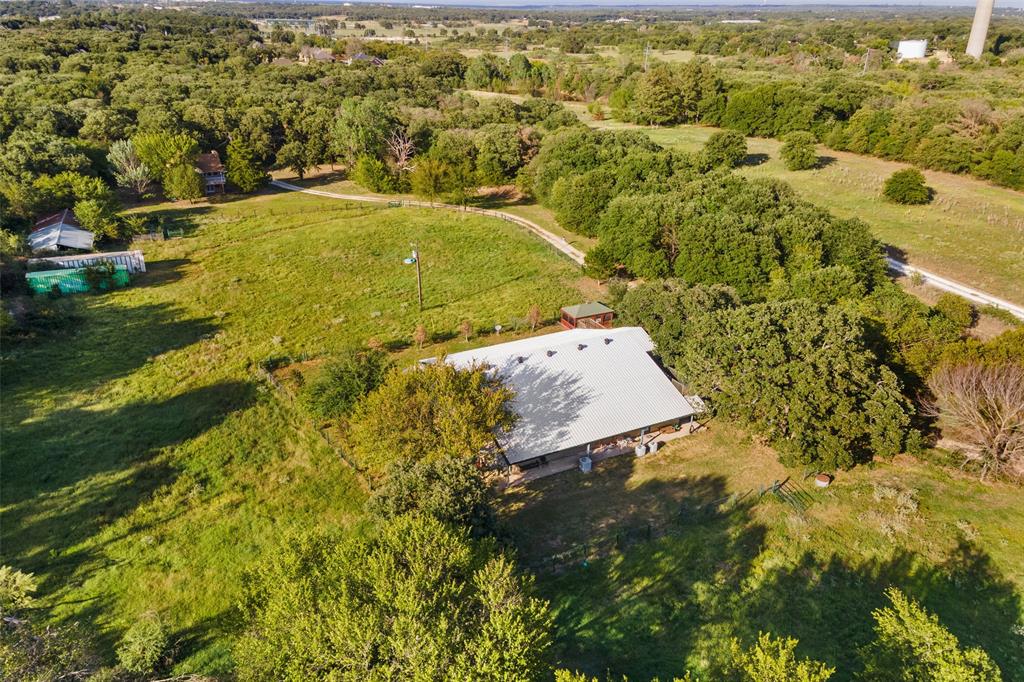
(779, 312)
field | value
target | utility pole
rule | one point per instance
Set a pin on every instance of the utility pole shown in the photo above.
(415, 260)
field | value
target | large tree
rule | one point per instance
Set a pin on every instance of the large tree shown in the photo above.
(129, 170)
(362, 126)
(427, 413)
(162, 151)
(911, 645)
(417, 600)
(243, 169)
(799, 373)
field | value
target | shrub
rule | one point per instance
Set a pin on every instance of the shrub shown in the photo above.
(16, 590)
(344, 381)
(143, 645)
(373, 174)
(957, 310)
(907, 186)
(911, 644)
(798, 151)
(99, 276)
(450, 489)
(1002, 314)
(725, 149)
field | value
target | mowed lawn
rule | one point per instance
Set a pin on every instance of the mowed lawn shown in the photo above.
(730, 567)
(973, 232)
(145, 462)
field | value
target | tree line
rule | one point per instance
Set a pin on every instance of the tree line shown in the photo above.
(917, 114)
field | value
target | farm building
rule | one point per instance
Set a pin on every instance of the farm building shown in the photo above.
(59, 231)
(363, 58)
(212, 170)
(581, 389)
(310, 54)
(587, 316)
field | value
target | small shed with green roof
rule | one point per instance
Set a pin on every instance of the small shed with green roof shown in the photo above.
(593, 315)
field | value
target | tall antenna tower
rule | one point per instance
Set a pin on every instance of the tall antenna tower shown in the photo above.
(979, 29)
(647, 56)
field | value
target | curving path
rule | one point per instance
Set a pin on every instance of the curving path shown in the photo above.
(550, 237)
(898, 266)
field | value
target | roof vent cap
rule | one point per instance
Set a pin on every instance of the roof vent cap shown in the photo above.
(550, 353)
(521, 359)
(581, 346)
(607, 340)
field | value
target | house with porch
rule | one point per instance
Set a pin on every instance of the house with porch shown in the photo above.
(580, 390)
(209, 166)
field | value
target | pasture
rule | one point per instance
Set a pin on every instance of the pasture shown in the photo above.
(147, 463)
(720, 565)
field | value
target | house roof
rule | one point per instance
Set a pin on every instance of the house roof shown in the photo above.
(321, 54)
(587, 309)
(59, 229)
(577, 387)
(209, 162)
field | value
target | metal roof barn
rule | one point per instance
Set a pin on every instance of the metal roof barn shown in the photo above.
(579, 387)
(59, 229)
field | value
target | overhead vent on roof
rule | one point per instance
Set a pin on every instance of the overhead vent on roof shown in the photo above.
(521, 359)
(581, 346)
(607, 340)
(550, 353)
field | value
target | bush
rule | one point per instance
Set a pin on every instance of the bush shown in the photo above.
(907, 187)
(956, 309)
(450, 489)
(725, 149)
(100, 276)
(373, 174)
(143, 645)
(798, 151)
(344, 381)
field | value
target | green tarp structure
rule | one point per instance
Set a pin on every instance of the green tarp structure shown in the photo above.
(71, 280)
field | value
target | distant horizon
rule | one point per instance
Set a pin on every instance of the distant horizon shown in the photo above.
(666, 4)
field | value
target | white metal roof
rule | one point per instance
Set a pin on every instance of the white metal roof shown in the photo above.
(60, 233)
(567, 397)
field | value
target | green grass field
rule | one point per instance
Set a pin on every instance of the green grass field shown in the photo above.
(973, 232)
(146, 463)
(731, 568)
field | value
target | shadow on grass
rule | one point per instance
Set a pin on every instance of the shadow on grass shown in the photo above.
(184, 218)
(755, 159)
(638, 611)
(654, 607)
(161, 272)
(71, 474)
(827, 604)
(106, 342)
